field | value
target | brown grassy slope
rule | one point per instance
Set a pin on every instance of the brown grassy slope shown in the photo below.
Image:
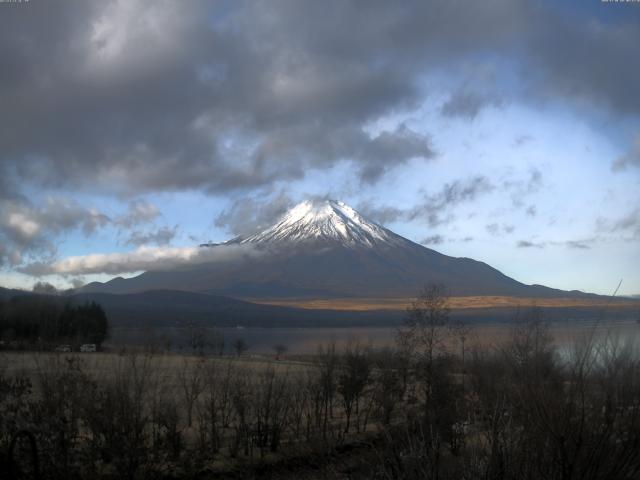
(456, 303)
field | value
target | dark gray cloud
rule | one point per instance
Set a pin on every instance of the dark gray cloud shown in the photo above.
(34, 229)
(161, 236)
(583, 244)
(433, 240)
(493, 228)
(138, 212)
(29, 229)
(132, 96)
(250, 214)
(174, 102)
(531, 211)
(631, 158)
(530, 244)
(520, 189)
(380, 214)
(628, 226)
(578, 244)
(496, 229)
(467, 104)
(436, 209)
(521, 140)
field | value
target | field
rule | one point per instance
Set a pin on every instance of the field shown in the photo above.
(456, 303)
(445, 402)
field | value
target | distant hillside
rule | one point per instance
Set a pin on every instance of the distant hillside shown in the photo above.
(6, 293)
(171, 308)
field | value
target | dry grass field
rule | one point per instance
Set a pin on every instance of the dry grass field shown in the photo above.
(456, 303)
(346, 412)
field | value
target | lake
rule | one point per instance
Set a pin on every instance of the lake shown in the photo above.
(306, 340)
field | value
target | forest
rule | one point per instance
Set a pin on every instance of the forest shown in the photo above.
(44, 321)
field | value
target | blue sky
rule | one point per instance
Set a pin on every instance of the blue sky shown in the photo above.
(507, 132)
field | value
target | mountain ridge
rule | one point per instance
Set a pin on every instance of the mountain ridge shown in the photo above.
(327, 249)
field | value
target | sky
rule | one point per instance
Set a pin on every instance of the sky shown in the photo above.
(507, 131)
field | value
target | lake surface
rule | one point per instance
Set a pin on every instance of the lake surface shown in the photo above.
(307, 340)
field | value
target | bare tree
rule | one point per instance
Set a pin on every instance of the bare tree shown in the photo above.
(192, 384)
(461, 331)
(425, 333)
(354, 376)
(240, 346)
(217, 342)
(390, 384)
(327, 364)
(280, 349)
(216, 410)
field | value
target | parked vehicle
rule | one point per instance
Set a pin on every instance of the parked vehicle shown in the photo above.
(88, 347)
(63, 348)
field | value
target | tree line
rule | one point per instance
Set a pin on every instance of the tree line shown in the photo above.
(32, 320)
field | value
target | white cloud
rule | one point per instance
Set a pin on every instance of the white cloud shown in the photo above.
(141, 259)
(23, 225)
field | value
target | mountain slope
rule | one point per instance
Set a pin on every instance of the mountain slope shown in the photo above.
(327, 249)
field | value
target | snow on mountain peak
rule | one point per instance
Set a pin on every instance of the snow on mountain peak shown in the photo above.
(327, 220)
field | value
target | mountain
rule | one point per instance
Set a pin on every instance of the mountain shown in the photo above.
(7, 293)
(326, 223)
(327, 249)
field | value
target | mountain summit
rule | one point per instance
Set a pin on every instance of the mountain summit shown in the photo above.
(322, 221)
(325, 249)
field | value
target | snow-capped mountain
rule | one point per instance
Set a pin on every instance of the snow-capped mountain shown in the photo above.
(326, 249)
(325, 221)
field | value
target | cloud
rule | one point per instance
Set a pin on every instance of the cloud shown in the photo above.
(467, 104)
(496, 230)
(630, 158)
(130, 97)
(628, 225)
(584, 244)
(521, 140)
(29, 229)
(161, 236)
(529, 244)
(138, 212)
(380, 214)
(250, 214)
(207, 104)
(142, 259)
(531, 211)
(435, 209)
(433, 240)
(578, 244)
(520, 189)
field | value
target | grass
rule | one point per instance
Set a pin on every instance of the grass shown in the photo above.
(456, 303)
